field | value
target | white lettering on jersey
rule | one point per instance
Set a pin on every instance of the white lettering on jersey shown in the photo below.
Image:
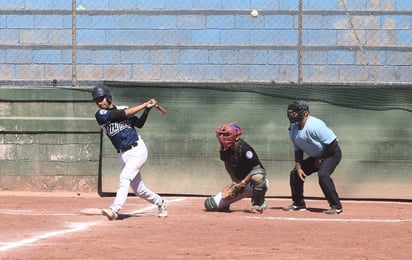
(116, 127)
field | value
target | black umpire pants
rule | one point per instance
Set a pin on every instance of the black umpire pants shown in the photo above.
(326, 183)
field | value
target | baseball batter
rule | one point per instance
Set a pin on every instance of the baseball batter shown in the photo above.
(118, 123)
(244, 168)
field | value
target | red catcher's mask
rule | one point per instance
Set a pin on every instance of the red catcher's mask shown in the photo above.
(227, 134)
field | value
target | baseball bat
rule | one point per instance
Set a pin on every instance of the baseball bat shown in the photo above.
(161, 110)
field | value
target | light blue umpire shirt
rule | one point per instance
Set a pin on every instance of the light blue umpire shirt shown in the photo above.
(313, 138)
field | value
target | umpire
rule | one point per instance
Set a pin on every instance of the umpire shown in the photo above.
(310, 135)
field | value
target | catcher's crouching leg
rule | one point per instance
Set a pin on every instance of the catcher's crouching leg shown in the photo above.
(259, 190)
(210, 204)
(216, 203)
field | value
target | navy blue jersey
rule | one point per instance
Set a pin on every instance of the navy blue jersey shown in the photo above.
(121, 132)
(241, 161)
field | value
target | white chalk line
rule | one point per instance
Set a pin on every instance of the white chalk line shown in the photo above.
(32, 213)
(151, 207)
(333, 219)
(74, 227)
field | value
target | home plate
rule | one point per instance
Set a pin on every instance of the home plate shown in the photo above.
(98, 212)
(91, 211)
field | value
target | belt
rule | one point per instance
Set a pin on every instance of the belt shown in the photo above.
(127, 148)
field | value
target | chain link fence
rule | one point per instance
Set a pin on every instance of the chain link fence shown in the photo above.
(305, 41)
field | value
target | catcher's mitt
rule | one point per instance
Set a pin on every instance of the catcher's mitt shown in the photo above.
(231, 190)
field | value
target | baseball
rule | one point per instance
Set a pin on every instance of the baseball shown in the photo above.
(254, 13)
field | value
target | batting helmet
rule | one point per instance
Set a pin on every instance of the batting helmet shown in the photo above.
(102, 91)
(297, 110)
(228, 134)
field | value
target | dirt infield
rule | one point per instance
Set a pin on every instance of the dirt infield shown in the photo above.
(49, 226)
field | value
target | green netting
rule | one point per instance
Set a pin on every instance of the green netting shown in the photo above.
(370, 97)
(372, 123)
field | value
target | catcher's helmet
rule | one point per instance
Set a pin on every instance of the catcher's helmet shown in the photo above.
(228, 134)
(102, 91)
(297, 110)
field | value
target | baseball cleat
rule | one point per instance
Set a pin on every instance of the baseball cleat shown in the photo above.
(258, 209)
(110, 214)
(333, 211)
(294, 207)
(163, 209)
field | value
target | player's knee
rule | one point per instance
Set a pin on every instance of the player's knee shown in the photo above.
(258, 172)
(258, 182)
(258, 178)
(259, 189)
(324, 179)
(123, 183)
(294, 176)
(210, 204)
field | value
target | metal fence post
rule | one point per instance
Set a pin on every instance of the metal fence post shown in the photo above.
(74, 74)
(300, 77)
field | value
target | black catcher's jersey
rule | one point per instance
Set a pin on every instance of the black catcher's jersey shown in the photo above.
(241, 161)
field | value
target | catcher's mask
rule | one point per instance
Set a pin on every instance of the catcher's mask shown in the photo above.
(296, 111)
(102, 91)
(228, 134)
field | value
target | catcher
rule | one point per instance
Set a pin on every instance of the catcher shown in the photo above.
(245, 170)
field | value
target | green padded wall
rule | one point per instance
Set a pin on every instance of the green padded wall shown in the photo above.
(184, 155)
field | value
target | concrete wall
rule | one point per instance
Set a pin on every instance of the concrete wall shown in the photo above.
(48, 140)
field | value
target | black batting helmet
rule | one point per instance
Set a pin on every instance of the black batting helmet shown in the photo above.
(102, 91)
